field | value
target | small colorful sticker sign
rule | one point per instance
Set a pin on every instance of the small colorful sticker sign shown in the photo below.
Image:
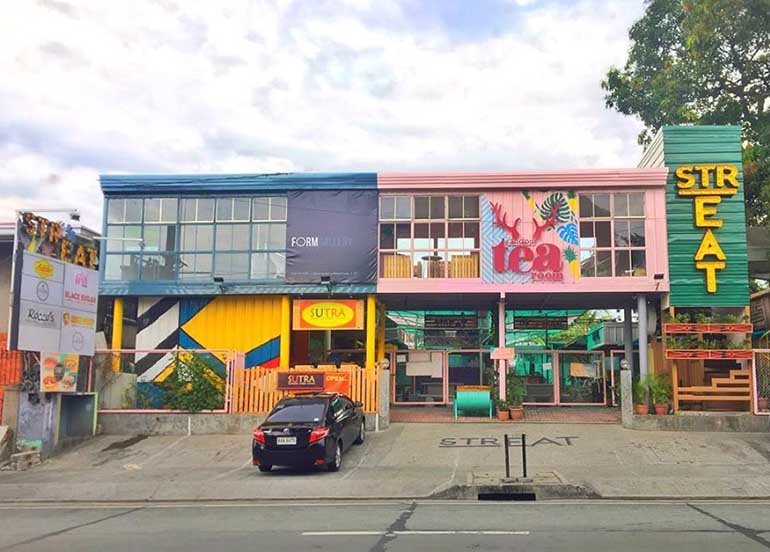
(58, 372)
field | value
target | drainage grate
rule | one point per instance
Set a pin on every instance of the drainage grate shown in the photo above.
(517, 497)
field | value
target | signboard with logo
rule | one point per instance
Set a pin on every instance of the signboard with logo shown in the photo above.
(57, 306)
(529, 237)
(58, 372)
(451, 322)
(705, 214)
(337, 382)
(540, 322)
(322, 314)
(301, 381)
(331, 234)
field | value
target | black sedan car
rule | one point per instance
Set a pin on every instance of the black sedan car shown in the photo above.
(308, 430)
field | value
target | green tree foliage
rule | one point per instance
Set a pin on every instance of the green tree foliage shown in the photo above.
(703, 62)
(194, 386)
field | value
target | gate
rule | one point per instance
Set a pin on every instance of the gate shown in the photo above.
(761, 373)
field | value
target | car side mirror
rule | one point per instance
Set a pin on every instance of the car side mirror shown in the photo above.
(358, 404)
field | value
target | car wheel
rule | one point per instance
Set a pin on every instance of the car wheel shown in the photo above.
(361, 434)
(335, 464)
(265, 467)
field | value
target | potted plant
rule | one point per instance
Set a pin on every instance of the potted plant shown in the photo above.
(640, 398)
(660, 390)
(502, 410)
(515, 393)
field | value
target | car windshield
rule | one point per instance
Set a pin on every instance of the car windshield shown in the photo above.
(298, 412)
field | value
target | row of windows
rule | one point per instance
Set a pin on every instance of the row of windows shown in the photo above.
(223, 209)
(195, 266)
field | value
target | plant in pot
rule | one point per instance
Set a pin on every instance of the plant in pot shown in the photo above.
(502, 410)
(660, 391)
(515, 392)
(640, 397)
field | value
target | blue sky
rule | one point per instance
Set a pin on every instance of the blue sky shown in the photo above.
(160, 86)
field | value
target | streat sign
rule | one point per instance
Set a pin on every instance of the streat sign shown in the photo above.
(530, 237)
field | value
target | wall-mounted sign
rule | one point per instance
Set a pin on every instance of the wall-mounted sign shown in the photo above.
(58, 372)
(529, 237)
(707, 185)
(540, 322)
(322, 314)
(451, 322)
(502, 353)
(331, 234)
(301, 381)
(337, 382)
(52, 239)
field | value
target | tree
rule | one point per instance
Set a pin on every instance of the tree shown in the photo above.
(703, 62)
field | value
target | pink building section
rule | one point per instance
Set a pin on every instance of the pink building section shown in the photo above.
(546, 204)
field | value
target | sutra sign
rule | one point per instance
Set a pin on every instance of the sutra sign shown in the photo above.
(707, 185)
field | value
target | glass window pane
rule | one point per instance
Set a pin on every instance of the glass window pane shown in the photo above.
(636, 233)
(472, 234)
(636, 204)
(152, 238)
(437, 230)
(587, 229)
(387, 237)
(421, 207)
(387, 207)
(224, 237)
(241, 208)
(115, 210)
(455, 229)
(638, 267)
(224, 208)
(278, 208)
(187, 238)
(471, 206)
(601, 205)
(259, 269)
(189, 210)
(586, 206)
(133, 210)
(195, 266)
(152, 210)
(114, 232)
(277, 238)
(587, 263)
(160, 237)
(621, 233)
(421, 230)
(232, 265)
(159, 267)
(168, 209)
(604, 263)
(240, 237)
(403, 236)
(277, 265)
(603, 235)
(429, 264)
(121, 267)
(622, 263)
(437, 207)
(261, 208)
(620, 205)
(403, 207)
(132, 238)
(455, 207)
(205, 210)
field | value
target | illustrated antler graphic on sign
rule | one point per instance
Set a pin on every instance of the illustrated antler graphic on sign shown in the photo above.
(500, 220)
(549, 222)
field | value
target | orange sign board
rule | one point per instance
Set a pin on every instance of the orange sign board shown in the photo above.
(337, 382)
(325, 314)
(501, 353)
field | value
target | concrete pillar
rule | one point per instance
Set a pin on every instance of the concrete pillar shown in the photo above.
(117, 331)
(383, 416)
(628, 337)
(642, 314)
(502, 367)
(381, 318)
(285, 346)
(626, 398)
(371, 330)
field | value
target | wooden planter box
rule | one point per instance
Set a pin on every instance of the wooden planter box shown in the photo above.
(682, 328)
(710, 354)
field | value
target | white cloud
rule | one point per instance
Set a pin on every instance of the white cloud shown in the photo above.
(196, 86)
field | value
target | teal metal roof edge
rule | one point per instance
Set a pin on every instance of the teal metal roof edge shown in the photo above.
(177, 289)
(234, 183)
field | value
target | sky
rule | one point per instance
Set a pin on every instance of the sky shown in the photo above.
(94, 87)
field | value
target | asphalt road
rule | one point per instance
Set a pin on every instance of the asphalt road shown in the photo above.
(391, 526)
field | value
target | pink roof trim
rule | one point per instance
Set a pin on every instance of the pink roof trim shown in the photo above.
(593, 178)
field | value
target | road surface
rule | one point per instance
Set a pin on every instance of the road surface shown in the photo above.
(389, 526)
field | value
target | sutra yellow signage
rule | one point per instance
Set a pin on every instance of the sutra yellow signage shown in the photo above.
(322, 314)
(707, 185)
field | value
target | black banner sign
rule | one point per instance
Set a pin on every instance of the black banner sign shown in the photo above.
(301, 381)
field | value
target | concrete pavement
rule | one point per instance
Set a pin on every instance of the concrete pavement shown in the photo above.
(406, 461)
(393, 526)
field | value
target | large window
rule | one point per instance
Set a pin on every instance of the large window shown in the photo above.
(238, 238)
(429, 236)
(612, 237)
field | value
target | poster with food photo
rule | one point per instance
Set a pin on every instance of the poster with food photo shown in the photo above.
(58, 372)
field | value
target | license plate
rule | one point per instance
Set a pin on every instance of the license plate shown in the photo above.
(286, 440)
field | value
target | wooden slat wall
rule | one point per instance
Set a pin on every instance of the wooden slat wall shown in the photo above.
(255, 390)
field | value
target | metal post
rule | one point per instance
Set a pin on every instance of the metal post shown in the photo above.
(642, 324)
(507, 459)
(524, 454)
(628, 337)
